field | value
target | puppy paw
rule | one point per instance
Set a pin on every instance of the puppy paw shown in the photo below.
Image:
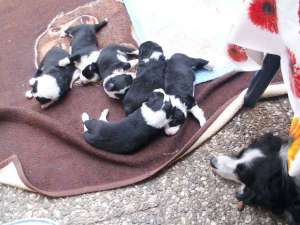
(31, 81)
(202, 121)
(103, 115)
(85, 117)
(209, 67)
(28, 94)
(170, 131)
(64, 62)
(78, 83)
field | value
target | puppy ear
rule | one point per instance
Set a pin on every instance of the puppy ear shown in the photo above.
(272, 142)
(71, 30)
(168, 109)
(244, 174)
(94, 67)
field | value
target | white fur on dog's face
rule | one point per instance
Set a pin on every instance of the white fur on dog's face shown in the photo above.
(85, 61)
(47, 87)
(155, 56)
(157, 119)
(225, 166)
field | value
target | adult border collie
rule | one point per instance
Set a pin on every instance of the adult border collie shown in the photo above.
(132, 132)
(150, 76)
(261, 168)
(51, 82)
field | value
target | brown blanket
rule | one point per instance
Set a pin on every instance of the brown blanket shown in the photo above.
(47, 146)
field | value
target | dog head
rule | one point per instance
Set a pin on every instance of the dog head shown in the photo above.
(150, 51)
(156, 109)
(45, 90)
(89, 74)
(177, 116)
(262, 170)
(117, 84)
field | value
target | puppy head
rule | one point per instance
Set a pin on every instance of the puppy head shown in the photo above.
(45, 90)
(157, 100)
(150, 51)
(118, 85)
(89, 73)
(261, 168)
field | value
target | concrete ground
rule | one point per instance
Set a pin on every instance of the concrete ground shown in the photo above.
(186, 193)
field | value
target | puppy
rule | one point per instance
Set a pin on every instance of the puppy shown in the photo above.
(134, 131)
(179, 84)
(261, 168)
(84, 47)
(113, 64)
(51, 82)
(150, 76)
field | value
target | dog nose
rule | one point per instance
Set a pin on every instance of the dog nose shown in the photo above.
(213, 162)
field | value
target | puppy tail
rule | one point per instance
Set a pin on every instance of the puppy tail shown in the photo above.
(199, 63)
(100, 25)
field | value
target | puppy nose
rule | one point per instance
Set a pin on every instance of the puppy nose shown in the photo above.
(213, 162)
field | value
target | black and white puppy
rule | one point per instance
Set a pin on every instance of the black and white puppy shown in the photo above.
(261, 168)
(179, 84)
(84, 47)
(134, 131)
(150, 76)
(51, 82)
(113, 64)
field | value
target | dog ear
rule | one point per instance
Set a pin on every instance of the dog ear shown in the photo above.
(271, 142)
(244, 174)
(168, 109)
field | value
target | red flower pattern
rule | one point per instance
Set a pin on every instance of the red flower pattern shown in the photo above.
(295, 79)
(263, 14)
(236, 53)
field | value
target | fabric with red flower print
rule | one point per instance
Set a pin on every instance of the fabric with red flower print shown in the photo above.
(263, 14)
(237, 53)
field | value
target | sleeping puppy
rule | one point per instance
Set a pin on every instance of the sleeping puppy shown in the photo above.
(261, 168)
(179, 84)
(134, 131)
(51, 82)
(113, 64)
(150, 76)
(84, 46)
